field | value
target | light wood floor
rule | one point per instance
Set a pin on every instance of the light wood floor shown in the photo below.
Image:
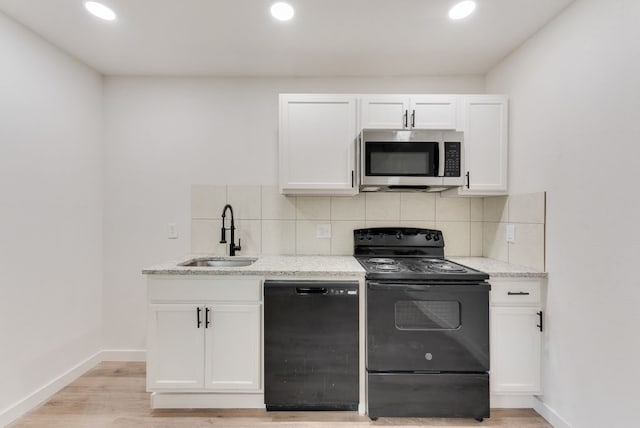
(113, 394)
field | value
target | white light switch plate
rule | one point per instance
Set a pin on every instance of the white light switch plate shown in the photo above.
(172, 231)
(323, 230)
(511, 233)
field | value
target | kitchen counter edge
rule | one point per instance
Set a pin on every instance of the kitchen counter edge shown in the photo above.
(326, 266)
(267, 266)
(497, 268)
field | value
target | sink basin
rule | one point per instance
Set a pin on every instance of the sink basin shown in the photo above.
(220, 262)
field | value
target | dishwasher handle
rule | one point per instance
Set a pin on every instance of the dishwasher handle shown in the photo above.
(311, 290)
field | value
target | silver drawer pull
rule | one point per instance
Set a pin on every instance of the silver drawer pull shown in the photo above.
(517, 293)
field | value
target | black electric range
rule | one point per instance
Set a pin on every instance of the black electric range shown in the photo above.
(427, 327)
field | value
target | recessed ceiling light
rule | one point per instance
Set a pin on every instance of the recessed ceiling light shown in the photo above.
(462, 10)
(282, 11)
(99, 10)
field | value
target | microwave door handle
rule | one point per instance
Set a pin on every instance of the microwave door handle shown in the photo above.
(440, 159)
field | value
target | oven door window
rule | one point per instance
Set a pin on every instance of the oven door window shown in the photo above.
(401, 159)
(427, 315)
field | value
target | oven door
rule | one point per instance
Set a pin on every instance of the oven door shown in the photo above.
(434, 327)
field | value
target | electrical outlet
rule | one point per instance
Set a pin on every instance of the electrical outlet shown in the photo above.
(172, 231)
(511, 233)
(323, 231)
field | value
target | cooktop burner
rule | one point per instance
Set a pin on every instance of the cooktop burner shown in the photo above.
(381, 260)
(387, 267)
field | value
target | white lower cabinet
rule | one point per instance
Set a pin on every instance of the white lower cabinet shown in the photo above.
(516, 335)
(175, 348)
(232, 348)
(204, 336)
(515, 353)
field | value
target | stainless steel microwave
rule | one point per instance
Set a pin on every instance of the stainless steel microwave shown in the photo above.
(426, 160)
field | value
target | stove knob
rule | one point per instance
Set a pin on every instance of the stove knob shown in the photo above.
(428, 236)
(436, 237)
(399, 235)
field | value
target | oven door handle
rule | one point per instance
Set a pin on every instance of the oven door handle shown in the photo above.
(311, 290)
(398, 286)
(427, 286)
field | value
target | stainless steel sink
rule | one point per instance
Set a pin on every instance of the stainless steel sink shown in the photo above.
(220, 262)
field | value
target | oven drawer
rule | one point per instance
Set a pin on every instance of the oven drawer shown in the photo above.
(439, 395)
(515, 291)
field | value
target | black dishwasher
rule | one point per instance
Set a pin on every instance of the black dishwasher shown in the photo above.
(311, 345)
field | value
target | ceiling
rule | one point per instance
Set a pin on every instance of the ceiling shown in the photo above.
(325, 38)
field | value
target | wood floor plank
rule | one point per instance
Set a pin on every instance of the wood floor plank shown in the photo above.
(113, 395)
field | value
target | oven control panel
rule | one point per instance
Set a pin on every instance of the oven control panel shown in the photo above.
(397, 236)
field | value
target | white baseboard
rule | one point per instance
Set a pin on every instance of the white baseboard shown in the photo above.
(513, 401)
(123, 355)
(43, 393)
(549, 414)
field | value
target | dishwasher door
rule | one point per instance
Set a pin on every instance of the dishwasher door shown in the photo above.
(311, 345)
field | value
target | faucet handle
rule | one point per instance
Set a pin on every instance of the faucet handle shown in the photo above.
(238, 247)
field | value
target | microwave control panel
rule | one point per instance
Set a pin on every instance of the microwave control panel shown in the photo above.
(452, 157)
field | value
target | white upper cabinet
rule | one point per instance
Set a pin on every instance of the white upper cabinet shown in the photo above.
(409, 112)
(318, 136)
(317, 144)
(485, 124)
(434, 112)
(384, 112)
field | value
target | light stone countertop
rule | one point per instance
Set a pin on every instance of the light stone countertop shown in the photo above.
(324, 266)
(497, 268)
(268, 266)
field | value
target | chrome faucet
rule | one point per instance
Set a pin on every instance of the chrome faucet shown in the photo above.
(232, 246)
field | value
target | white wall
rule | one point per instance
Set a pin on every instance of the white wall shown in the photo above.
(575, 129)
(165, 134)
(50, 213)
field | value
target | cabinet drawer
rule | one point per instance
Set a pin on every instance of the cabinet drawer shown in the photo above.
(202, 289)
(515, 291)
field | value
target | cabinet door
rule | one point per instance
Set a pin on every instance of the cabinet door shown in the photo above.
(233, 351)
(515, 350)
(433, 112)
(384, 112)
(485, 140)
(317, 144)
(175, 348)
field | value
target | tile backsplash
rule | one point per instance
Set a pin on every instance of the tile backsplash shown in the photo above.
(527, 215)
(269, 223)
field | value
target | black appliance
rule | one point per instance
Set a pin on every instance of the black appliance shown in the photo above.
(427, 327)
(311, 345)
